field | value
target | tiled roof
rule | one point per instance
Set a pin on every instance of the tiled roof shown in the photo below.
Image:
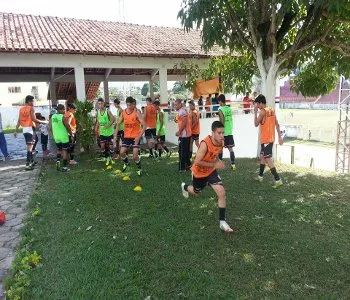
(40, 34)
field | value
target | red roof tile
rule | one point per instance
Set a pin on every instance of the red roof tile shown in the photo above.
(27, 33)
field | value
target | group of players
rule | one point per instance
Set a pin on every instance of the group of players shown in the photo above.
(130, 124)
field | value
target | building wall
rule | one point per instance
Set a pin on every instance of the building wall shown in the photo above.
(15, 92)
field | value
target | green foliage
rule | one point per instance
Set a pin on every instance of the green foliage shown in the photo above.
(180, 88)
(145, 88)
(84, 124)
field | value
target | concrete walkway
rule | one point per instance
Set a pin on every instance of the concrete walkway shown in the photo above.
(16, 186)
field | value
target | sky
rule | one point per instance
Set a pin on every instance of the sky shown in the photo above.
(143, 12)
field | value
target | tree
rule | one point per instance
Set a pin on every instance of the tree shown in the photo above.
(145, 88)
(272, 38)
(179, 88)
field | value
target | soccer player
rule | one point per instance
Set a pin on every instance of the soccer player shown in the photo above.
(268, 124)
(204, 171)
(61, 131)
(27, 120)
(104, 130)
(160, 131)
(194, 118)
(225, 115)
(133, 132)
(118, 134)
(150, 117)
(70, 118)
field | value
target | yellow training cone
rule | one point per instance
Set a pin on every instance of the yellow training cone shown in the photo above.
(117, 171)
(126, 178)
(138, 188)
(109, 168)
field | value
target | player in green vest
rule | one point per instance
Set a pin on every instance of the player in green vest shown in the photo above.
(118, 135)
(160, 131)
(60, 130)
(225, 116)
(104, 130)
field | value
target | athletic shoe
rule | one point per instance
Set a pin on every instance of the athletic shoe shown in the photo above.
(184, 192)
(233, 167)
(58, 165)
(225, 227)
(111, 161)
(29, 167)
(169, 154)
(73, 162)
(259, 178)
(277, 183)
(65, 169)
(139, 172)
(125, 167)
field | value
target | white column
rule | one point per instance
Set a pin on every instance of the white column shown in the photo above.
(80, 83)
(163, 85)
(151, 89)
(106, 90)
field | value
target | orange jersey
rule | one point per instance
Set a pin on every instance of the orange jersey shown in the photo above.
(195, 115)
(25, 118)
(132, 125)
(183, 114)
(151, 116)
(267, 126)
(213, 152)
(73, 121)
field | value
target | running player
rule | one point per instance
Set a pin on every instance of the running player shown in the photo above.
(61, 131)
(160, 131)
(225, 115)
(104, 130)
(204, 171)
(150, 118)
(268, 124)
(28, 120)
(194, 119)
(133, 132)
(72, 122)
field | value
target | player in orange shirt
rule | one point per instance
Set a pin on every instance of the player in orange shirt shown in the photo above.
(150, 117)
(194, 119)
(204, 171)
(268, 124)
(70, 118)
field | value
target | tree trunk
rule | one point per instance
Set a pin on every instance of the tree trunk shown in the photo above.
(268, 89)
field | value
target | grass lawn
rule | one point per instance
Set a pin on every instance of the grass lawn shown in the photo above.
(293, 242)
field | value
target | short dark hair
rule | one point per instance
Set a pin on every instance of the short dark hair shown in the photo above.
(72, 106)
(260, 99)
(216, 125)
(222, 98)
(29, 98)
(129, 100)
(191, 102)
(100, 100)
(117, 101)
(149, 99)
(157, 103)
(60, 107)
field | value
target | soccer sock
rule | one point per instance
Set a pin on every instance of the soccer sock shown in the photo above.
(151, 151)
(191, 154)
(138, 164)
(71, 156)
(275, 174)
(58, 157)
(262, 168)
(220, 155)
(166, 148)
(106, 153)
(65, 162)
(232, 157)
(160, 151)
(222, 212)
(125, 160)
(186, 187)
(28, 156)
(31, 157)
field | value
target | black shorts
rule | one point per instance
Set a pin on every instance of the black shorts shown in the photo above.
(63, 146)
(229, 141)
(161, 139)
(200, 183)
(129, 142)
(266, 150)
(195, 137)
(29, 138)
(104, 139)
(120, 134)
(150, 132)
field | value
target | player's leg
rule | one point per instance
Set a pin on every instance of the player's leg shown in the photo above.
(123, 153)
(137, 159)
(198, 184)
(65, 148)
(268, 158)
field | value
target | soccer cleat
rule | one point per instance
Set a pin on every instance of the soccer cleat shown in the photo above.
(65, 169)
(107, 161)
(73, 162)
(259, 178)
(139, 172)
(225, 227)
(125, 167)
(111, 161)
(184, 192)
(233, 167)
(169, 154)
(29, 167)
(277, 183)
(58, 165)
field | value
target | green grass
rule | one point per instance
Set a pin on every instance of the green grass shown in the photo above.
(9, 130)
(288, 243)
